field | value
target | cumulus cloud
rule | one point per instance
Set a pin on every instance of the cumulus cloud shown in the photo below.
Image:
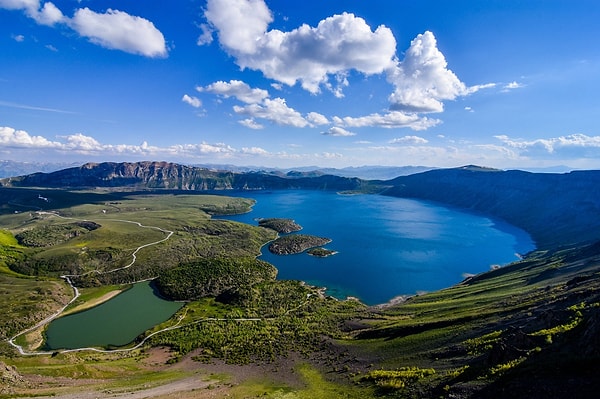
(118, 30)
(113, 29)
(317, 119)
(309, 55)
(393, 119)
(239, 23)
(338, 131)
(10, 137)
(258, 105)
(49, 15)
(191, 100)
(409, 140)
(422, 81)
(251, 124)
(237, 89)
(46, 14)
(21, 142)
(275, 110)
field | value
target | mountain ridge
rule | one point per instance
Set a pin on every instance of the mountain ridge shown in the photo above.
(556, 209)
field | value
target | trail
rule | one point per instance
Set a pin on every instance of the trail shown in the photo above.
(76, 293)
(67, 278)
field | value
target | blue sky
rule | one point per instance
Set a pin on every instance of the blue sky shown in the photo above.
(507, 83)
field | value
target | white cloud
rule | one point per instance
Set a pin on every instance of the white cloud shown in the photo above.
(513, 85)
(254, 151)
(251, 124)
(393, 119)
(19, 38)
(239, 23)
(113, 30)
(82, 143)
(20, 4)
(236, 88)
(338, 131)
(583, 145)
(120, 31)
(317, 119)
(48, 14)
(409, 140)
(19, 138)
(191, 100)
(309, 55)
(275, 110)
(205, 35)
(422, 80)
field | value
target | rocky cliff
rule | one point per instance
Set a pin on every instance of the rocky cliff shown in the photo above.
(166, 175)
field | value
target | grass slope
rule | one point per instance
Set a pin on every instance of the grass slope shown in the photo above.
(530, 329)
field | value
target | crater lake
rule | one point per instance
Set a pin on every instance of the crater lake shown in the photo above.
(386, 246)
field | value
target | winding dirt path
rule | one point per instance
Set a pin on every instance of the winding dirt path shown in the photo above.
(76, 292)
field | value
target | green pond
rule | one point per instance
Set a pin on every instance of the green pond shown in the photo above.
(114, 323)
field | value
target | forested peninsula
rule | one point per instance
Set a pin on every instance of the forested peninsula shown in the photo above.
(296, 243)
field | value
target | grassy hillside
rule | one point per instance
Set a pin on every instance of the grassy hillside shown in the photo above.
(530, 329)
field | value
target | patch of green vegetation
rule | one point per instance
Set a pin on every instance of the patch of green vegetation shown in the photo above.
(315, 387)
(269, 320)
(396, 379)
(320, 252)
(213, 277)
(50, 235)
(280, 225)
(296, 243)
(25, 302)
(576, 319)
(500, 369)
(477, 346)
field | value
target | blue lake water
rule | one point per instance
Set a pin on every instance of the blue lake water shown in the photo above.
(386, 246)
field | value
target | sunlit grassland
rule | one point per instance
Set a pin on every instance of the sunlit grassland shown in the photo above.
(128, 221)
(315, 386)
(27, 301)
(103, 372)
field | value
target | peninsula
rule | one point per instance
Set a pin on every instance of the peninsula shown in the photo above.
(296, 243)
(280, 225)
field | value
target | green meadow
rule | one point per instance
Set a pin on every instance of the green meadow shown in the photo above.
(533, 318)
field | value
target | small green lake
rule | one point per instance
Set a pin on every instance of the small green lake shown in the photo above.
(114, 323)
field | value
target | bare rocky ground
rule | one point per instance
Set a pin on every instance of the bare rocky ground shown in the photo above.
(213, 380)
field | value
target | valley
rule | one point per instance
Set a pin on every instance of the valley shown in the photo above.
(529, 328)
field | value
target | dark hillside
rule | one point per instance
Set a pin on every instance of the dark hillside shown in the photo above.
(556, 209)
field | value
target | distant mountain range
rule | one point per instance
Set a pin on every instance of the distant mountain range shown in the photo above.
(555, 208)
(16, 168)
